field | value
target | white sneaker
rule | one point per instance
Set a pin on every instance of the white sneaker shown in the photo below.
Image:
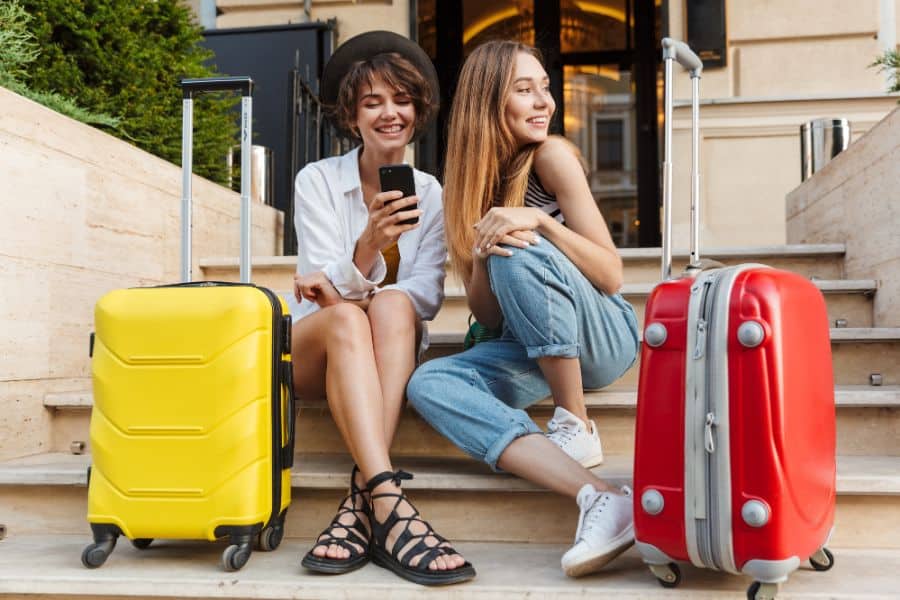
(605, 530)
(569, 433)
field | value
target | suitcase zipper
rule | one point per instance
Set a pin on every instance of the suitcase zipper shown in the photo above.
(707, 518)
(709, 439)
(277, 384)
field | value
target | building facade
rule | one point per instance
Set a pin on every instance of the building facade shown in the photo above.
(770, 66)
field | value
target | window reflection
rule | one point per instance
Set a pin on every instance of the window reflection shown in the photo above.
(587, 26)
(497, 20)
(599, 119)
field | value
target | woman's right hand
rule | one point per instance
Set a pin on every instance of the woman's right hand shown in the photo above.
(316, 287)
(386, 210)
(518, 239)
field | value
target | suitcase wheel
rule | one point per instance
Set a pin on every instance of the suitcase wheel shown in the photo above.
(668, 575)
(141, 543)
(822, 560)
(96, 554)
(762, 591)
(236, 556)
(270, 537)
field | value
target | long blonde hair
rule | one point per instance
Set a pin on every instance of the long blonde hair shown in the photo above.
(485, 167)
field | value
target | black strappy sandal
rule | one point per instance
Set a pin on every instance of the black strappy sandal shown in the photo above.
(351, 542)
(426, 553)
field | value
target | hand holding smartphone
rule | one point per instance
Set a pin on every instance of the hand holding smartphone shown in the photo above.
(399, 177)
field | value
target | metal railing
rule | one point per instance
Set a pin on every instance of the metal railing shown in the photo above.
(313, 137)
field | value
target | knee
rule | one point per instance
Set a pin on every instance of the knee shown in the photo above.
(522, 269)
(423, 388)
(392, 311)
(348, 325)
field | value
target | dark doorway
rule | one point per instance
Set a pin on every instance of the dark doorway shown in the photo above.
(603, 63)
(282, 60)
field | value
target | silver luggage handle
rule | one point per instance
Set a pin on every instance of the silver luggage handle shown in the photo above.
(674, 50)
(191, 87)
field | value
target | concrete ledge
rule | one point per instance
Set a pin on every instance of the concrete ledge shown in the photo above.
(826, 286)
(49, 566)
(838, 335)
(860, 396)
(856, 475)
(627, 254)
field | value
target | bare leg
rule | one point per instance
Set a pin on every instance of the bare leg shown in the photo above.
(337, 341)
(563, 375)
(537, 459)
(395, 333)
(334, 351)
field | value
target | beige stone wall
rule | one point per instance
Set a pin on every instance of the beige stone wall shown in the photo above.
(749, 161)
(353, 16)
(802, 47)
(788, 62)
(853, 199)
(85, 213)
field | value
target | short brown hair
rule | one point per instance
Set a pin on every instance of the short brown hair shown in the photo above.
(397, 72)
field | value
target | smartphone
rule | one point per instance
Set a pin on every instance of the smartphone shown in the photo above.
(399, 177)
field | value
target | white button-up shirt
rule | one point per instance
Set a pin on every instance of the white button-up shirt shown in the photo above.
(330, 216)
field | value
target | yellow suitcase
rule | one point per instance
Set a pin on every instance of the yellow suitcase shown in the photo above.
(193, 421)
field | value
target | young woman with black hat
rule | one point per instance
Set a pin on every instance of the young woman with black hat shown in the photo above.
(365, 283)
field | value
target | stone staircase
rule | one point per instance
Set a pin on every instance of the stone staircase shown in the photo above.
(513, 532)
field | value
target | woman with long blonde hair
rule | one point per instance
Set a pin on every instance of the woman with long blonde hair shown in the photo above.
(539, 266)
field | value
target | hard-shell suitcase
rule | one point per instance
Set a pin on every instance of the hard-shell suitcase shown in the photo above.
(735, 434)
(192, 430)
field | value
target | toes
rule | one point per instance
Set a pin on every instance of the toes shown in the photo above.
(319, 551)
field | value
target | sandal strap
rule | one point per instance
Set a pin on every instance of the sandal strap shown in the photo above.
(421, 549)
(354, 489)
(327, 538)
(355, 529)
(424, 553)
(396, 476)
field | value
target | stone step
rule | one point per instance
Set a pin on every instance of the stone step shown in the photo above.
(48, 566)
(868, 423)
(857, 354)
(849, 303)
(824, 261)
(462, 498)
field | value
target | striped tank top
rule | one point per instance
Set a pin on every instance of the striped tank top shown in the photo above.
(538, 197)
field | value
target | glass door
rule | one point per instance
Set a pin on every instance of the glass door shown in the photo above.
(600, 120)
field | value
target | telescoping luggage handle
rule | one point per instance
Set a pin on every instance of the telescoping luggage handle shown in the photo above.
(674, 50)
(191, 87)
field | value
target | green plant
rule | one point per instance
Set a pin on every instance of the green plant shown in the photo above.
(890, 62)
(18, 50)
(125, 57)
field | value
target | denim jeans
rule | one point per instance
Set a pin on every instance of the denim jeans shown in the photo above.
(476, 398)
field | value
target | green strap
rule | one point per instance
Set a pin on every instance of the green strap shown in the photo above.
(478, 333)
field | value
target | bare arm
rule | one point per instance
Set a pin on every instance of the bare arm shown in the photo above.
(585, 238)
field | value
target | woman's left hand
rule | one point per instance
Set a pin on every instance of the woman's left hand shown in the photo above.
(500, 221)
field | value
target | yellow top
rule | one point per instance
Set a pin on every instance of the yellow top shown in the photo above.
(391, 256)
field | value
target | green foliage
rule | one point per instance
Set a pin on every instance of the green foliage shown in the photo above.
(17, 51)
(125, 57)
(890, 62)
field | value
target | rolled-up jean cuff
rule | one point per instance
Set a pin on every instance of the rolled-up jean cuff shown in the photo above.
(506, 438)
(559, 350)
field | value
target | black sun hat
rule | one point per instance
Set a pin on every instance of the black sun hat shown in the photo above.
(366, 45)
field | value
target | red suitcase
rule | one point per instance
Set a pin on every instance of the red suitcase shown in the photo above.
(735, 437)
